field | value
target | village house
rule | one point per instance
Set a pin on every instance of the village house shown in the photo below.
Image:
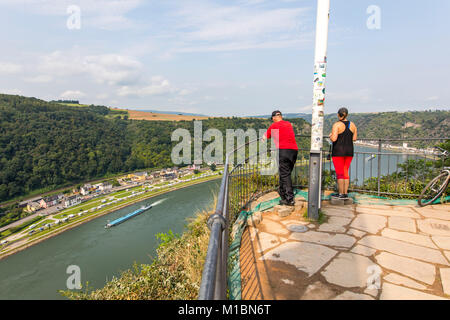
(194, 167)
(49, 201)
(154, 175)
(86, 189)
(105, 186)
(25, 203)
(72, 201)
(33, 206)
(138, 176)
(170, 176)
(96, 187)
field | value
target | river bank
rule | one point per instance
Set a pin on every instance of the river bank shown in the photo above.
(22, 246)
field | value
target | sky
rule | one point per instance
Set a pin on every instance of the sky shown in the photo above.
(226, 58)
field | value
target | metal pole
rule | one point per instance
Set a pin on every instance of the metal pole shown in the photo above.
(379, 165)
(320, 69)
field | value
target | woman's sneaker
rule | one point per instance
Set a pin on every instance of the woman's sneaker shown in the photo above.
(343, 196)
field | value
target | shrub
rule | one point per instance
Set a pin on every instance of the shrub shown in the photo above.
(175, 274)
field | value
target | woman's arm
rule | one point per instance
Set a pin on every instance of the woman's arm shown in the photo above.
(355, 133)
(334, 132)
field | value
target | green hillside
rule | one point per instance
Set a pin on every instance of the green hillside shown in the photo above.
(412, 124)
(46, 145)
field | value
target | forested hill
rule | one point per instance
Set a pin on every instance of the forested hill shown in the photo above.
(413, 124)
(45, 145)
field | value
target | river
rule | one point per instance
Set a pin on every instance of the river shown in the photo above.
(41, 270)
(364, 165)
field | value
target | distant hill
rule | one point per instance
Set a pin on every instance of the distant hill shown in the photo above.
(174, 112)
(305, 116)
(156, 116)
(411, 124)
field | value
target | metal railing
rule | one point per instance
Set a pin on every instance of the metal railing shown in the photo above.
(240, 185)
(243, 183)
(380, 167)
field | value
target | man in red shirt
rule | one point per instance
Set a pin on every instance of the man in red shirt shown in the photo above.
(287, 151)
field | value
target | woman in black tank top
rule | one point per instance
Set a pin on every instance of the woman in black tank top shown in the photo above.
(343, 146)
(342, 153)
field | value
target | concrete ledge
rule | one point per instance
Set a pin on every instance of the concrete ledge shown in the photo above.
(283, 211)
(340, 202)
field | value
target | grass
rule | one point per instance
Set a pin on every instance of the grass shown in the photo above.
(322, 217)
(43, 223)
(174, 274)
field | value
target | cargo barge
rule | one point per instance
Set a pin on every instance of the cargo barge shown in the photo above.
(128, 216)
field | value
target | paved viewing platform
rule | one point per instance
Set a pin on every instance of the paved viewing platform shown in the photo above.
(361, 252)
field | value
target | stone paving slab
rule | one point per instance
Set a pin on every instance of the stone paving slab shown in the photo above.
(348, 270)
(418, 270)
(307, 257)
(363, 250)
(394, 292)
(318, 291)
(403, 249)
(402, 224)
(445, 278)
(346, 212)
(357, 233)
(420, 240)
(360, 252)
(401, 280)
(267, 241)
(335, 224)
(389, 213)
(442, 242)
(273, 227)
(434, 213)
(447, 254)
(434, 227)
(348, 295)
(369, 223)
(336, 240)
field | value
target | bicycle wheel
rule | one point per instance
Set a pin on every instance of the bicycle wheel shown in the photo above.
(434, 189)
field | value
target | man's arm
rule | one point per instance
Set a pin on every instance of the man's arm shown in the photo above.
(268, 134)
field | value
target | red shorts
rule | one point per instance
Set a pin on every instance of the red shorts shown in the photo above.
(341, 165)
